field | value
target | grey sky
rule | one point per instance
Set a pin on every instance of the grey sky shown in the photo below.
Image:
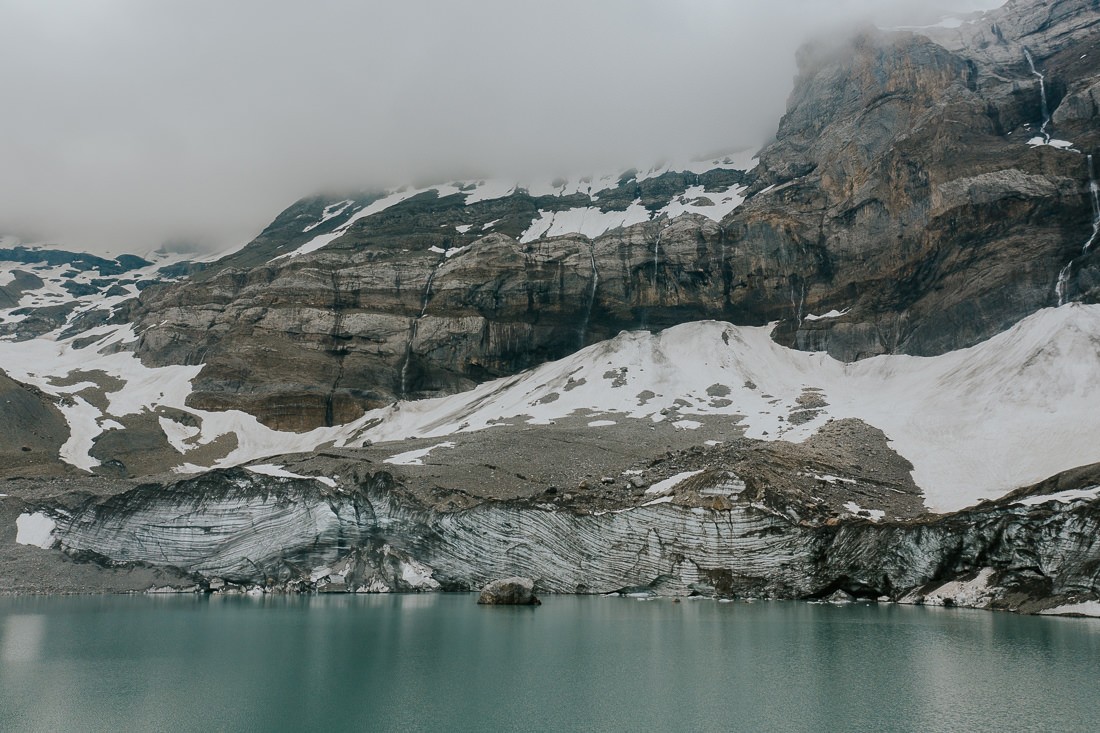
(127, 123)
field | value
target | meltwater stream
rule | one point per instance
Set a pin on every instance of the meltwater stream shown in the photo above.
(594, 284)
(414, 326)
(440, 662)
(1042, 95)
(1061, 288)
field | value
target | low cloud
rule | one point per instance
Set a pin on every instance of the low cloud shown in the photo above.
(129, 124)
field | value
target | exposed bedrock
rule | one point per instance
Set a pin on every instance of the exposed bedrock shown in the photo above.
(299, 534)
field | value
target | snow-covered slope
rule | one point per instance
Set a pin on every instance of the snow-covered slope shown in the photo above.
(591, 218)
(975, 423)
(69, 285)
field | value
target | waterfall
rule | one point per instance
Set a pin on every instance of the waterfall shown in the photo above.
(657, 254)
(798, 303)
(1094, 194)
(656, 257)
(591, 295)
(414, 325)
(1042, 94)
(1062, 287)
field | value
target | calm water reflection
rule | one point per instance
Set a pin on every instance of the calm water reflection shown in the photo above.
(439, 662)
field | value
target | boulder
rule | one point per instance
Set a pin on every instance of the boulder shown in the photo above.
(839, 597)
(509, 592)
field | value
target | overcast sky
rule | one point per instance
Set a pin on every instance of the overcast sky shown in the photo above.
(129, 123)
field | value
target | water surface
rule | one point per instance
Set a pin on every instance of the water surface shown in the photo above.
(440, 662)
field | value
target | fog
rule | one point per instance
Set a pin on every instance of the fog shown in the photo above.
(131, 124)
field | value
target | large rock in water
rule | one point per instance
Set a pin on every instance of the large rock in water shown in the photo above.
(509, 592)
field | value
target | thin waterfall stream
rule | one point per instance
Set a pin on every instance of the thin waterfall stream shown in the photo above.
(1042, 93)
(595, 281)
(415, 325)
(1062, 286)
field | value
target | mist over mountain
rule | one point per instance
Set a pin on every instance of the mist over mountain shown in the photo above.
(128, 125)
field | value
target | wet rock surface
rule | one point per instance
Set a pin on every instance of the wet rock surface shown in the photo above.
(509, 592)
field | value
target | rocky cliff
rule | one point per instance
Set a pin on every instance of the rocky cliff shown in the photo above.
(931, 187)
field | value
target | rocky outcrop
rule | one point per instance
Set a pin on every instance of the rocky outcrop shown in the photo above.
(389, 312)
(509, 592)
(905, 164)
(900, 192)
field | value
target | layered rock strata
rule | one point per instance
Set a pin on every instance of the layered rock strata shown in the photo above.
(711, 535)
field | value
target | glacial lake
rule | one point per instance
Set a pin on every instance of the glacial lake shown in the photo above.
(440, 662)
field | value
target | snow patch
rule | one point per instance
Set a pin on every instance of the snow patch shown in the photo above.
(418, 575)
(178, 434)
(391, 199)
(415, 457)
(1085, 608)
(659, 500)
(669, 483)
(84, 428)
(330, 212)
(590, 222)
(1039, 141)
(1062, 497)
(831, 479)
(831, 314)
(854, 508)
(35, 529)
(489, 190)
(270, 469)
(697, 200)
(974, 593)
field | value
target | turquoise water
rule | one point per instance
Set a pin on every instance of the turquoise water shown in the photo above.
(440, 662)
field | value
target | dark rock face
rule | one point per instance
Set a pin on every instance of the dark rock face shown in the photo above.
(900, 191)
(509, 592)
(903, 166)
